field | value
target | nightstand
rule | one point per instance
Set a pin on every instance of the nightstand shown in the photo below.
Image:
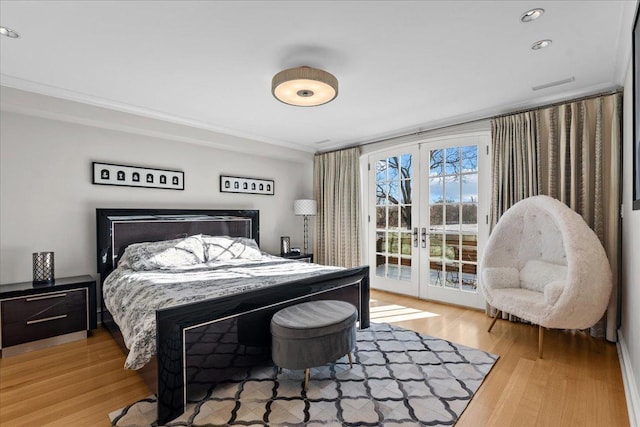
(39, 316)
(298, 256)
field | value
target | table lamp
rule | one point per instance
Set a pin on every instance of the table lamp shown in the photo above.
(306, 208)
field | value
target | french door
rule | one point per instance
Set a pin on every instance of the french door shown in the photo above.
(393, 221)
(428, 218)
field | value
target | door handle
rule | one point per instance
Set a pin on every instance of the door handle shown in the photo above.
(424, 237)
(415, 237)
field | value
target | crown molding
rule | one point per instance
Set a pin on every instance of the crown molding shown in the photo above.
(56, 92)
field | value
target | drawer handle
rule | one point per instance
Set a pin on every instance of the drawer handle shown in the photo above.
(47, 297)
(46, 319)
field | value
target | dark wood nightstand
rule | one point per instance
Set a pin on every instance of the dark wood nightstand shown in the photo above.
(39, 316)
(298, 256)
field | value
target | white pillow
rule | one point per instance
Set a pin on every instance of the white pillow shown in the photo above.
(500, 277)
(222, 248)
(165, 254)
(536, 274)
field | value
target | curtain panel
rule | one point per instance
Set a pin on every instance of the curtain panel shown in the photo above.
(336, 183)
(516, 165)
(571, 152)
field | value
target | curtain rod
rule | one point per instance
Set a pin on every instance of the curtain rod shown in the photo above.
(555, 104)
(404, 135)
(317, 153)
(541, 107)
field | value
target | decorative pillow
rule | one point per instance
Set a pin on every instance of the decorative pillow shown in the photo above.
(136, 250)
(500, 277)
(536, 274)
(165, 254)
(221, 248)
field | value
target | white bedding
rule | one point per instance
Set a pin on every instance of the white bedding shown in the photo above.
(133, 296)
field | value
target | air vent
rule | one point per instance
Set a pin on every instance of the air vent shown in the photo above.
(552, 84)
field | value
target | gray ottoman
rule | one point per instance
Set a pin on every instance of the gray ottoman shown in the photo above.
(312, 334)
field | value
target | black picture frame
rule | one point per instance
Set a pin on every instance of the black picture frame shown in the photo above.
(136, 176)
(245, 185)
(636, 114)
(285, 245)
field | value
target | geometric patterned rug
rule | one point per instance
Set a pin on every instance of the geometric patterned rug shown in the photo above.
(399, 378)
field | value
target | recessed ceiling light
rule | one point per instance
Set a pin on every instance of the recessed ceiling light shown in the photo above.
(532, 15)
(9, 32)
(541, 44)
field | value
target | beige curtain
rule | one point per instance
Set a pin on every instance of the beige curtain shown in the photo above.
(578, 151)
(516, 166)
(336, 183)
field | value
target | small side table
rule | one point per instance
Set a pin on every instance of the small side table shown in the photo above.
(298, 256)
(38, 316)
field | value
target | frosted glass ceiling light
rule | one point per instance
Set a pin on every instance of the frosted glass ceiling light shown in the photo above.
(304, 86)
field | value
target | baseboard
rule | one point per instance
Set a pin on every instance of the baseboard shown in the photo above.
(629, 380)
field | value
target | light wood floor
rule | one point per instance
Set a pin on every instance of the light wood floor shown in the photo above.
(578, 383)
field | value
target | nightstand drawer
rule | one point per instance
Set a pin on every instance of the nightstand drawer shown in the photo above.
(42, 316)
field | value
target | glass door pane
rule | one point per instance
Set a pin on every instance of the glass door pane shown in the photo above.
(393, 217)
(451, 215)
(392, 184)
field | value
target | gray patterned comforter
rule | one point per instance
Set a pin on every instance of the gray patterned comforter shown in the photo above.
(133, 297)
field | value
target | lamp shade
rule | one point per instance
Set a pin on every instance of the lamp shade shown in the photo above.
(304, 207)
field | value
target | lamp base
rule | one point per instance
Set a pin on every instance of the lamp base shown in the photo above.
(306, 234)
(44, 282)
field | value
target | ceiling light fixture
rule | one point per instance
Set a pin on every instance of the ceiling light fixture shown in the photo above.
(9, 32)
(541, 44)
(532, 15)
(304, 87)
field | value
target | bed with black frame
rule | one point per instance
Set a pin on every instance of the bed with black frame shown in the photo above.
(246, 315)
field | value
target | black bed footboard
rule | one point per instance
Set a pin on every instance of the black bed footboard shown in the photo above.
(248, 316)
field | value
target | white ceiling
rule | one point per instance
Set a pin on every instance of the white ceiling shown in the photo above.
(402, 66)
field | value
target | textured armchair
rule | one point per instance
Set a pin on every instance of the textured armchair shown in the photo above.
(542, 263)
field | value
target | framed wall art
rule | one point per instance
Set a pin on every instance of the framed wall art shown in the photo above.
(237, 184)
(136, 176)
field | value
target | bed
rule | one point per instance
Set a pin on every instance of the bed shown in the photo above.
(229, 332)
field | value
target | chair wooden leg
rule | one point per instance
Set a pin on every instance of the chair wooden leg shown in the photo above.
(306, 379)
(498, 313)
(350, 360)
(540, 337)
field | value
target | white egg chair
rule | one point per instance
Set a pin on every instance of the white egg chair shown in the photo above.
(543, 264)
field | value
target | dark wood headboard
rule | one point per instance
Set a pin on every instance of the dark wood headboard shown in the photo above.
(118, 228)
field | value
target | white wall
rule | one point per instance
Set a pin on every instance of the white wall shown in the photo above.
(629, 333)
(47, 200)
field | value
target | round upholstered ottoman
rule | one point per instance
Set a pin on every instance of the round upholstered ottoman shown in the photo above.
(312, 334)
